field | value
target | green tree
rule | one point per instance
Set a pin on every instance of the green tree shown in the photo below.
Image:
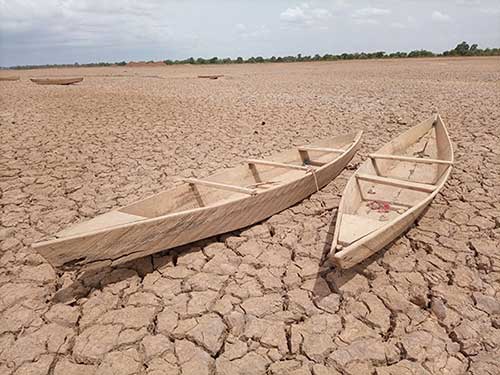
(462, 49)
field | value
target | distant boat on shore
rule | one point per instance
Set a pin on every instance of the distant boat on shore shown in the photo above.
(213, 76)
(10, 78)
(56, 81)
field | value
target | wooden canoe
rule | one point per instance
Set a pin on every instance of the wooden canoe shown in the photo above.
(197, 209)
(390, 191)
(10, 78)
(56, 81)
(214, 76)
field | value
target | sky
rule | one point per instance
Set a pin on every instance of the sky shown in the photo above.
(68, 31)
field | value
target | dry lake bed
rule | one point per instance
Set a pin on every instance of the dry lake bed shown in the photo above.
(263, 300)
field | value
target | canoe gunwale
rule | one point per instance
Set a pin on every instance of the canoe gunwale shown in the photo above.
(351, 149)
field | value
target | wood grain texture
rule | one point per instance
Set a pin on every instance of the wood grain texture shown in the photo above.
(428, 139)
(181, 215)
(56, 81)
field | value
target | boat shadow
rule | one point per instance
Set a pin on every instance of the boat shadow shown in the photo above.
(85, 282)
(335, 277)
(81, 285)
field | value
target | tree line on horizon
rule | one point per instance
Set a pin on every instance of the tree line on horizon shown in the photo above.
(462, 49)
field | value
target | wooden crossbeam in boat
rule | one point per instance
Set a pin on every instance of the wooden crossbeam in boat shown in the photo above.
(277, 165)
(410, 159)
(320, 149)
(399, 183)
(217, 185)
(314, 163)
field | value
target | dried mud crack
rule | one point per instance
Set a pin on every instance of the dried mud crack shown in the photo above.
(264, 299)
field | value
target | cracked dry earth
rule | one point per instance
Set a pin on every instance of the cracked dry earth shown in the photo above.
(262, 300)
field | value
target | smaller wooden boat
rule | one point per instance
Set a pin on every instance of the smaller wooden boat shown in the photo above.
(10, 78)
(56, 81)
(214, 76)
(199, 208)
(391, 190)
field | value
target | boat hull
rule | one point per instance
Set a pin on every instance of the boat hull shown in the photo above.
(124, 243)
(56, 81)
(10, 78)
(374, 241)
(363, 249)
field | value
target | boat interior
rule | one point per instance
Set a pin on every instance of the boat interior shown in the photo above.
(231, 184)
(398, 177)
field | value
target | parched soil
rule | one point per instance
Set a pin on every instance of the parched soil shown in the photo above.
(263, 300)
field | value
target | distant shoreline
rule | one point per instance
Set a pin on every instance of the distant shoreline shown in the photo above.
(156, 65)
(461, 50)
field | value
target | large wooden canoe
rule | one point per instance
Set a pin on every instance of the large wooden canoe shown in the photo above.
(10, 78)
(56, 81)
(197, 209)
(391, 190)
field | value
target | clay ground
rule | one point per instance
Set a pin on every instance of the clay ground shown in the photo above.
(263, 299)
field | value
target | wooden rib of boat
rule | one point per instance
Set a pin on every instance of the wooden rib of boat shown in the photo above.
(201, 208)
(56, 81)
(213, 76)
(10, 78)
(390, 191)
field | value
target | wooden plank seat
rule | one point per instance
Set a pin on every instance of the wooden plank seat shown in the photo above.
(410, 159)
(428, 188)
(320, 149)
(277, 165)
(355, 227)
(218, 185)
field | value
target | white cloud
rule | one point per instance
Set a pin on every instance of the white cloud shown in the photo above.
(293, 15)
(398, 25)
(440, 17)
(490, 11)
(305, 15)
(370, 12)
(367, 16)
(468, 2)
(83, 23)
(255, 32)
(366, 21)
